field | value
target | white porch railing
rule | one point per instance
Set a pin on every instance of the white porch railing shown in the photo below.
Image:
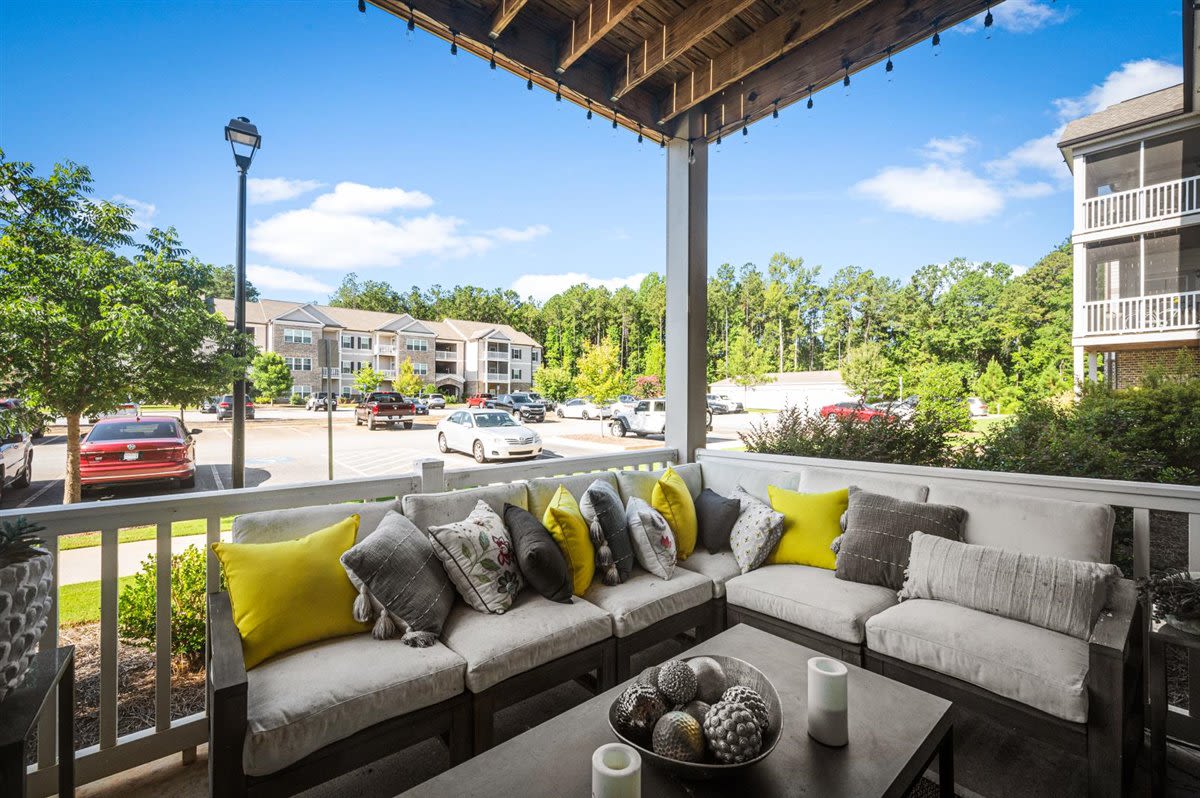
(1159, 201)
(388, 374)
(441, 354)
(114, 753)
(497, 376)
(385, 349)
(1143, 313)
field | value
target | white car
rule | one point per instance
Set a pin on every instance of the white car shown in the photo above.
(487, 435)
(434, 400)
(582, 408)
(720, 403)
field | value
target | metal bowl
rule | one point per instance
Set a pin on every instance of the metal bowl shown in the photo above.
(737, 672)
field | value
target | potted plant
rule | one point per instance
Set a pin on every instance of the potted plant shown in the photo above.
(26, 576)
(1175, 598)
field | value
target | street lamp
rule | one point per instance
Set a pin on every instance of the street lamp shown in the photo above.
(244, 140)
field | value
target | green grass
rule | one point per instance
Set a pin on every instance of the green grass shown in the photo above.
(85, 540)
(80, 603)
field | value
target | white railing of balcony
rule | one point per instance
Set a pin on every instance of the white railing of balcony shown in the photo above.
(496, 376)
(1159, 201)
(442, 354)
(388, 374)
(385, 349)
(114, 753)
(1157, 312)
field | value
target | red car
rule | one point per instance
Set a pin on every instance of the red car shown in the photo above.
(146, 449)
(856, 411)
(481, 400)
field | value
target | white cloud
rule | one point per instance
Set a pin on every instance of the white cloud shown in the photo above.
(143, 212)
(935, 191)
(1017, 269)
(950, 149)
(358, 198)
(269, 278)
(276, 189)
(1019, 16)
(543, 286)
(1028, 190)
(359, 226)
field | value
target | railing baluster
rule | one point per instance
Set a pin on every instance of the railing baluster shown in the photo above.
(162, 629)
(109, 575)
(48, 726)
(1141, 542)
(213, 570)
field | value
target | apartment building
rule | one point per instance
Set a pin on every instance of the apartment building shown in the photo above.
(454, 356)
(1136, 238)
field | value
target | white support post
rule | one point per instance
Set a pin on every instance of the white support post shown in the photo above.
(687, 288)
(433, 475)
(1093, 371)
(1078, 371)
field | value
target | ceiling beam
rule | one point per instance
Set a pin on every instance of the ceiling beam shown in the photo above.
(778, 37)
(855, 43)
(672, 40)
(506, 12)
(600, 17)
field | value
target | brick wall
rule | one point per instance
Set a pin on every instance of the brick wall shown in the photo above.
(310, 378)
(1133, 364)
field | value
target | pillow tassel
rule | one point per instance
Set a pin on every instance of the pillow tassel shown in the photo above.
(385, 627)
(362, 606)
(604, 555)
(419, 639)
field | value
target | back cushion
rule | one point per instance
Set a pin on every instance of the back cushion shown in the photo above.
(725, 477)
(640, 484)
(541, 491)
(434, 509)
(816, 479)
(273, 526)
(1007, 520)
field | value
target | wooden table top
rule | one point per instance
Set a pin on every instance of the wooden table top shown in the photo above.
(894, 733)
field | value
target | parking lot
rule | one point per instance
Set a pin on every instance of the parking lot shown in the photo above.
(288, 445)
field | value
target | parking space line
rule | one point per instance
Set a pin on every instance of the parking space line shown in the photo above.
(343, 464)
(217, 478)
(46, 441)
(31, 499)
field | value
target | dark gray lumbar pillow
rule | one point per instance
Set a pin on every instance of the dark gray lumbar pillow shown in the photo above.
(604, 512)
(875, 546)
(540, 559)
(401, 583)
(716, 516)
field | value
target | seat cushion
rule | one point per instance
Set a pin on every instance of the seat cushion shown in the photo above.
(430, 509)
(534, 631)
(308, 698)
(719, 567)
(812, 598)
(542, 490)
(817, 479)
(273, 526)
(1040, 668)
(644, 599)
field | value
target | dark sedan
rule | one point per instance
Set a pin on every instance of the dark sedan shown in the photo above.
(522, 406)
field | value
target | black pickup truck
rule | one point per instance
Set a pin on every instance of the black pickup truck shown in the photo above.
(384, 408)
(521, 405)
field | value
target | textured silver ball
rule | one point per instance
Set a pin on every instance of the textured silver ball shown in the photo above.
(677, 682)
(732, 733)
(678, 735)
(638, 709)
(750, 698)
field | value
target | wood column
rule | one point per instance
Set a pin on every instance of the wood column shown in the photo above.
(687, 288)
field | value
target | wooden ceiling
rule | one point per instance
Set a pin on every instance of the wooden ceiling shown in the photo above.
(647, 63)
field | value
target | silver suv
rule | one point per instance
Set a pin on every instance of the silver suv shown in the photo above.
(16, 452)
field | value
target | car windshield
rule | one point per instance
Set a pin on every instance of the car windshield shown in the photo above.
(386, 397)
(522, 397)
(494, 420)
(133, 430)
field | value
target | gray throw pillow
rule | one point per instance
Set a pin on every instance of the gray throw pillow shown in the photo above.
(756, 533)
(653, 541)
(874, 545)
(400, 582)
(541, 560)
(604, 513)
(478, 556)
(1051, 592)
(716, 516)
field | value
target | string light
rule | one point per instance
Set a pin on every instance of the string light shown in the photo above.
(989, 19)
(846, 80)
(412, 21)
(589, 114)
(492, 60)
(529, 80)
(775, 110)
(937, 37)
(691, 153)
(639, 134)
(810, 90)
(888, 67)
(718, 137)
(362, 6)
(662, 143)
(453, 42)
(558, 92)
(614, 119)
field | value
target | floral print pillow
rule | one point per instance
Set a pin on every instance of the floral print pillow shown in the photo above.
(653, 541)
(479, 558)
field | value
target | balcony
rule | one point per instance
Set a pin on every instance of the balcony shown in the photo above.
(497, 376)
(385, 349)
(445, 355)
(387, 374)
(1159, 201)
(1143, 314)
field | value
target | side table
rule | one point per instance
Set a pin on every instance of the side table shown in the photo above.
(1162, 635)
(19, 714)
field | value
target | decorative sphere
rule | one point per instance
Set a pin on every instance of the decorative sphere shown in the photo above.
(732, 733)
(697, 709)
(751, 700)
(711, 681)
(677, 682)
(648, 676)
(638, 709)
(678, 735)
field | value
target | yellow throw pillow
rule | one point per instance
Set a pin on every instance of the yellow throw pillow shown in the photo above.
(288, 594)
(570, 532)
(810, 523)
(672, 498)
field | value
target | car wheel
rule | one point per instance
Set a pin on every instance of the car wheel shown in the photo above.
(587, 416)
(23, 480)
(617, 429)
(559, 413)
(442, 446)
(371, 423)
(408, 425)
(357, 420)
(477, 450)
(190, 482)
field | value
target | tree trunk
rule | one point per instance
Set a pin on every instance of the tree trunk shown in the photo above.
(780, 323)
(71, 490)
(182, 423)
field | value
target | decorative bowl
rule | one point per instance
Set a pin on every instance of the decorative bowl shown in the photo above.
(738, 672)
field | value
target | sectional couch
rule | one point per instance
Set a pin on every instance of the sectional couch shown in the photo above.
(313, 713)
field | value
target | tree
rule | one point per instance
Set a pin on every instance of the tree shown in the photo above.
(866, 371)
(647, 386)
(554, 382)
(599, 374)
(222, 285)
(749, 363)
(654, 363)
(407, 381)
(367, 379)
(368, 295)
(271, 376)
(991, 383)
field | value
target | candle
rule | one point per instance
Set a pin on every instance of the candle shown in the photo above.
(827, 701)
(616, 772)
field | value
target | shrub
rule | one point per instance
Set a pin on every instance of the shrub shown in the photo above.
(297, 399)
(136, 608)
(922, 440)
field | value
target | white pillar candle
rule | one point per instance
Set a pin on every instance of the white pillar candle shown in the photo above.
(827, 701)
(616, 772)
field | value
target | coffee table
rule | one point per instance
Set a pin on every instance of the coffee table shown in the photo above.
(896, 731)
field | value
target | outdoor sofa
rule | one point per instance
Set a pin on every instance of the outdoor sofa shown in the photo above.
(311, 714)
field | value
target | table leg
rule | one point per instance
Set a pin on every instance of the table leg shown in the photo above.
(66, 731)
(1158, 717)
(12, 770)
(946, 765)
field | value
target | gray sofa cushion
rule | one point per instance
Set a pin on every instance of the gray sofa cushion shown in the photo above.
(1051, 592)
(640, 484)
(534, 631)
(719, 567)
(1004, 518)
(875, 548)
(1040, 668)
(540, 559)
(725, 476)
(644, 599)
(273, 526)
(813, 598)
(435, 509)
(305, 699)
(716, 515)
(818, 479)
(542, 490)
(604, 512)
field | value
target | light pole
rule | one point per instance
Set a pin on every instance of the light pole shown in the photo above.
(244, 140)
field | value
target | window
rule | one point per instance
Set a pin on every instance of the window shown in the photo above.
(516, 354)
(299, 363)
(353, 366)
(421, 369)
(1113, 170)
(497, 348)
(1113, 270)
(516, 374)
(1172, 157)
(1173, 262)
(534, 355)
(356, 341)
(303, 390)
(417, 345)
(291, 336)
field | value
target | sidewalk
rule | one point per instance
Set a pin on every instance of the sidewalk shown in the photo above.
(83, 565)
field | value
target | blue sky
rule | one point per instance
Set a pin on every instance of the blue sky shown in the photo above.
(384, 155)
